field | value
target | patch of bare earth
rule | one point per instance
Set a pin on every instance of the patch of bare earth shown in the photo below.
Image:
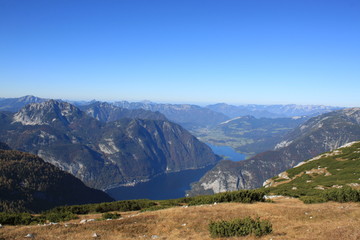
(291, 219)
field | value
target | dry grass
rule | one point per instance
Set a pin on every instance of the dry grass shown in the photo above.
(291, 219)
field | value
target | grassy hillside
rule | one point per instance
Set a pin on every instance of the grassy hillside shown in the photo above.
(332, 170)
(291, 219)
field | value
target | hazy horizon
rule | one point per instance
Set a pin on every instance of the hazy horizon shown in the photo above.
(200, 51)
(202, 104)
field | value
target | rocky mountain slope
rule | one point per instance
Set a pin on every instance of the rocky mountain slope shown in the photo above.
(28, 183)
(249, 135)
(270, 111)
(187, 115)
(334, 169)
(106, 112)
(319, 134)
(102, 155)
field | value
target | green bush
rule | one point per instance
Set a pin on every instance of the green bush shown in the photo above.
(17, 218)
(155, 208)
(126, 205)
(240, 227)
(345, 194)
(242, 196)
(111, 215)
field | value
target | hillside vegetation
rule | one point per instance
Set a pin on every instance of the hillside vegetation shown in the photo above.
(332, 173)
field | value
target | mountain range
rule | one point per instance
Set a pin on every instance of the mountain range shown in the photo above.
(103, 154)
(317, 135)
(107, 112)
(271, 111)
(187, 115)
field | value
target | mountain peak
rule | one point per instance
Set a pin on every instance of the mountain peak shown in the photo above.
(29, 99)
(46, 112)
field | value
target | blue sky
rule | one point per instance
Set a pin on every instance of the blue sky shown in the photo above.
(243, 51)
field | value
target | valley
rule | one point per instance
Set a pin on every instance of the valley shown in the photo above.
(132, 150)
(247, 134)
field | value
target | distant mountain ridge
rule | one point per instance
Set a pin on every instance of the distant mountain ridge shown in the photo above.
(14, 104)
(319, 134)
(28, 183)
(187, 115)
(101, 154)
(271, 111)
(106, 112)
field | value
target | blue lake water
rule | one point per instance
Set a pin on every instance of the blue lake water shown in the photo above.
(171, 185)
(166, 186)
(228, 152)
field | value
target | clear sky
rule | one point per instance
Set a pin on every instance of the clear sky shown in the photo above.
(201, 51)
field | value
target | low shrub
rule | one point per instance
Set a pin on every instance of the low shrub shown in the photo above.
(17, 218)
(155, 208)
(240, 227)
(111, 215)
(344, 194)
(126, 205)
(242, 196)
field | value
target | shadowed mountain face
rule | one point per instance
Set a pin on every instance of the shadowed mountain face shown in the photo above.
(103, 155)
(319, 134)
(28, 183)
(4, 146)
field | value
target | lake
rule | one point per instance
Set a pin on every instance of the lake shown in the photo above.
(171, 185)
(228, 152)
(166, 186)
